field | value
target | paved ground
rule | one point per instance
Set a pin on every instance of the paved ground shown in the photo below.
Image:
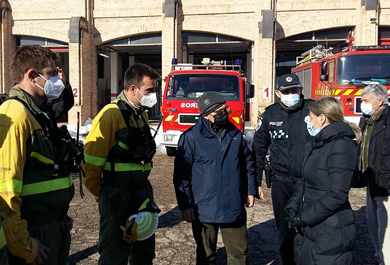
(175, 244)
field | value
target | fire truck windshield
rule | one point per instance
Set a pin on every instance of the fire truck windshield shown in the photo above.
(192, 86)
(363, 69)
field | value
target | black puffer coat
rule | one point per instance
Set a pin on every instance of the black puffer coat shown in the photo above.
(321, 199)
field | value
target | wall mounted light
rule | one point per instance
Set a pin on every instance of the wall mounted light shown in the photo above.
(104, 55)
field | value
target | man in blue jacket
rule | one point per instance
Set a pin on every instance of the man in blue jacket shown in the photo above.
(214, 180)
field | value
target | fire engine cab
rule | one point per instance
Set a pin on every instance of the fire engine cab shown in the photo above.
(187, 82)
(343, 75)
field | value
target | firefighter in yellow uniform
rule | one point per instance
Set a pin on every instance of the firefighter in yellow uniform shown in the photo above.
(35, 191)
(121, 146)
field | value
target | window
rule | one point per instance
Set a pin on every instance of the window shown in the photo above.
(138, 40)
(363, 69)
(28, 40)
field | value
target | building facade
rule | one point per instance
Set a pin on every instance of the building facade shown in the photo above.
(98, 39)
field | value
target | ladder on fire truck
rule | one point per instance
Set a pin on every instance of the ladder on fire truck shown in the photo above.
(315, 53)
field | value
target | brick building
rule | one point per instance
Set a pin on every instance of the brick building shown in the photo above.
(99, 39)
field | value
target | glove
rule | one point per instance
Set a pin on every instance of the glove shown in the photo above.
(295, 222)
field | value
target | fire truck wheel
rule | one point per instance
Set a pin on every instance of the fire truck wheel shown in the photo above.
(171, 151)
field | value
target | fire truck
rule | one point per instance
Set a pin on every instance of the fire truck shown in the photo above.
(187, 82)
(343, 75)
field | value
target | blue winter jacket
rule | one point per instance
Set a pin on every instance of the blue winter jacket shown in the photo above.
(213, 174)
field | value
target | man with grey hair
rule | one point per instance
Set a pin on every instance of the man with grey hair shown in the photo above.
(374, 165)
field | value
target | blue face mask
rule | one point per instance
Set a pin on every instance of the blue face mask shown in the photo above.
(312, 131)
(367, 108)
(290, 100)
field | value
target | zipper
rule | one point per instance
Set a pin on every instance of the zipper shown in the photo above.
(25, 246)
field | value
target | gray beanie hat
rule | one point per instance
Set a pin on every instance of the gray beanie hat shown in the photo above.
(209, 102)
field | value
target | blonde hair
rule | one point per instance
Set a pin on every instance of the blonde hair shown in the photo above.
(332, 108)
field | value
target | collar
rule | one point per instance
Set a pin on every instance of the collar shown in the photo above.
(207, 130)
(29, 99)
(122, 96)
(331, 132)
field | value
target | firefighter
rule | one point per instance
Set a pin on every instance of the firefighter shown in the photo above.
(35, 192)
(283, 131)
(121, 146)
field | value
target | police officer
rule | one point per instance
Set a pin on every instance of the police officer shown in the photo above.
(121, 146)
(34, 191)
(283, 131)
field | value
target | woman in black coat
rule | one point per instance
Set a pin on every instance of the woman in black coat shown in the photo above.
(319, 210)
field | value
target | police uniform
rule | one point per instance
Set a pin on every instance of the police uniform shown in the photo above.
(28, 174)
(284, 134)
(121, 147)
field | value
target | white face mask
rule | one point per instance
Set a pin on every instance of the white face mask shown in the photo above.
(290, 100)
(53, 86)
(147, 101)
(367, 108)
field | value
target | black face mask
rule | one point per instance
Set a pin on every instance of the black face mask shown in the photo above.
(221, 119)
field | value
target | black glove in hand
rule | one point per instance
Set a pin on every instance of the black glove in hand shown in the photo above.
(295, 222)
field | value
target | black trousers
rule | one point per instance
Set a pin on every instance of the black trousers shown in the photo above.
(234, 236)
(56, 236)
(282, 189)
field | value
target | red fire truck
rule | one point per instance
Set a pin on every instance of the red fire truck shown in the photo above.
(187, 82)
(343, 75)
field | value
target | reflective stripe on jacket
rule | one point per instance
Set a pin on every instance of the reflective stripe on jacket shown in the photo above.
(27, 174)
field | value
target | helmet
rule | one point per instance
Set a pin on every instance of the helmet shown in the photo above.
(147, 221)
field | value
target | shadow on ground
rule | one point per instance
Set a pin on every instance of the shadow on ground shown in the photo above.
(262, 245)
(170, 219)
(263, 241)
(76, 257)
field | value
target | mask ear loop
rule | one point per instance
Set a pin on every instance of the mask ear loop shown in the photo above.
(135, 95)
(35, 83)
